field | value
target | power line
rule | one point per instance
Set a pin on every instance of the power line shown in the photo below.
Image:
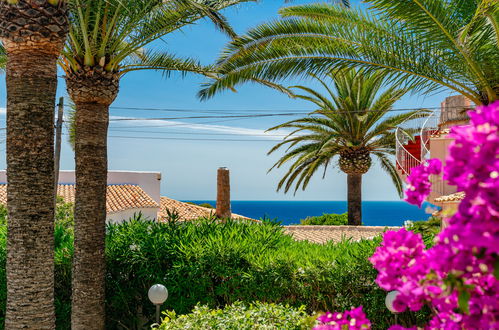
(186, 139)
(186, 124)
(253, 110)
(267, 114)
(206, 117)
(219, 111)
(187, 133)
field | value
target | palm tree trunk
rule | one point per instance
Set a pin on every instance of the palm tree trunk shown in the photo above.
(31, 79)
(92, 91)
(90, 216)
(31, 92)
(354, 183)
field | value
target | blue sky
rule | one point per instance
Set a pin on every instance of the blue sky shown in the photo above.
(189, 166)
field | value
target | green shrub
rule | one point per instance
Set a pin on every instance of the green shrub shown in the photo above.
(3, 214)
(207, 205)
(239, 316)
(427, 228)
(326, 220)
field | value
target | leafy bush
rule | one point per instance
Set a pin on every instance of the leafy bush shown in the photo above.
(326, 220)
(427, 228)
(239, 316)
(207, 205)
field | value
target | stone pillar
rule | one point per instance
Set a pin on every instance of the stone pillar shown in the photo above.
(223, 193)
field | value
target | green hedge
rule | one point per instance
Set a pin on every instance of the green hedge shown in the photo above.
(326, 220)
(241, 317)
(217, 264)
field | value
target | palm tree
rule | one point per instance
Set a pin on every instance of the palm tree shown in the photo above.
(107, 40)
(425, 44)
(33, 34)
(352, 123)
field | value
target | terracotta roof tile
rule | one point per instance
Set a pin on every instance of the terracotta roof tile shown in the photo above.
(323, 234)
(451, 198)
(119, 197)
(127, 196)
(187, 211)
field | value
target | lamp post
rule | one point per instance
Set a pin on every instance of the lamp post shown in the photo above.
(157, 295)
(390, 298)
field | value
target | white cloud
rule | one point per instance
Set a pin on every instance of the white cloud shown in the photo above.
(157, 124)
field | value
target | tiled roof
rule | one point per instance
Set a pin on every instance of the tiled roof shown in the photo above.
(451, 198)
(188, 211)
(323, 234)
(119, 197)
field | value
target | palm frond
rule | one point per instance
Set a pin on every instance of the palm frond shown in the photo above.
(417, 44)
(165, 63)
(111, 33)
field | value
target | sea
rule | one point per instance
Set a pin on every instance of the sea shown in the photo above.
(374, 213)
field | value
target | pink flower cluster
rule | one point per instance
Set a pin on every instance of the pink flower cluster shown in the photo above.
(418, 182)
(354, 319)
(402, 263)
(458, 277)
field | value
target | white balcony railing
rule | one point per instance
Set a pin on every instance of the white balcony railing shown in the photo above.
(409, 131)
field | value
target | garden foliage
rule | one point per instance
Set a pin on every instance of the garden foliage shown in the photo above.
(260, 316)
(218, 264)
(326, 220)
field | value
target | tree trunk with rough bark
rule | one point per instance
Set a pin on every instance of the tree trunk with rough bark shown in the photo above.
(92, 92)
(33, 33)
(354, 183)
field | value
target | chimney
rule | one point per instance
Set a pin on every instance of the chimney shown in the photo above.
(453, 111)
(223, 193)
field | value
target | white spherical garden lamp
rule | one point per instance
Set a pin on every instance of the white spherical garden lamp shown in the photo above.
(157, 295)
(390, 298)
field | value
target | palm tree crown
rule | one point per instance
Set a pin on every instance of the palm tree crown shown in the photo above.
(351, 122)
(111, 34)
(425, 44)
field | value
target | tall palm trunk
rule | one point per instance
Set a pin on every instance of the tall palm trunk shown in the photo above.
(33, 33)
(354, 183)
(92, 92)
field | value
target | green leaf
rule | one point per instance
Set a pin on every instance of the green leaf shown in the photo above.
(496, 268)
(463, 301)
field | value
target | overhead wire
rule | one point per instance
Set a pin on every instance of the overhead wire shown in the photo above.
(185, 139)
